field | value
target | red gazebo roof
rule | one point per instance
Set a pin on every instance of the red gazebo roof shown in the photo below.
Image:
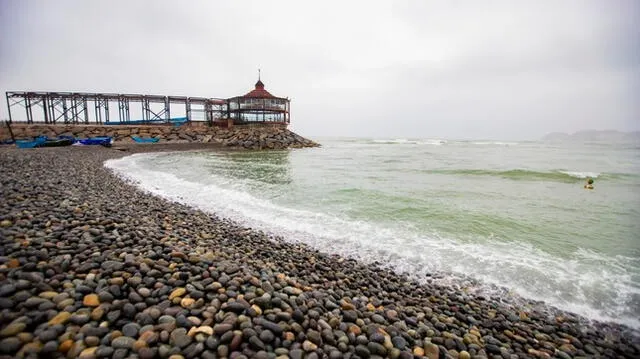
(259, 92)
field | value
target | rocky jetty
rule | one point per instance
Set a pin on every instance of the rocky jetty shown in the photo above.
(250, 137)
(92, 267)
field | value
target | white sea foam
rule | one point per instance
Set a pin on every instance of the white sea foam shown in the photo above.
(602, 292)
(578, 174)
(495, 143)
(406, 141)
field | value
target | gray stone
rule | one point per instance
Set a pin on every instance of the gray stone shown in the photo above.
(399, 342)
(7, 289)
(47, 335)
(377, 318)
(112, 265)
(275, 328)
(296, 354)
(49, 347)
(222, 328)
(122, 342)
(180, 338)
(267, 336)
(10, 345)
(377, 349)
(363, 351)
(131, 330)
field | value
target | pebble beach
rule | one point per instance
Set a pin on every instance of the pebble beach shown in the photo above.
(93, 267)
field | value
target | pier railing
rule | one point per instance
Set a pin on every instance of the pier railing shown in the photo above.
(99, 108)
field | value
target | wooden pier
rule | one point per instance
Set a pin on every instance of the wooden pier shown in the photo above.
(76, 107)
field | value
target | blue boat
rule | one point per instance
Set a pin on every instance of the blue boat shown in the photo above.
(44, 141)
(139, 139)
(57, 142)
(100, 140)
(37, 142)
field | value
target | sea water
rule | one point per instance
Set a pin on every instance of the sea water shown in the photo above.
(507, 218)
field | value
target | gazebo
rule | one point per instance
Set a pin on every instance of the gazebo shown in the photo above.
(258, 106)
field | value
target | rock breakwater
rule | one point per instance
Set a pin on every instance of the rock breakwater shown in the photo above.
(250, 137)
(92, 267)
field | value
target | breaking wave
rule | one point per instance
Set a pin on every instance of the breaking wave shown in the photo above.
(528, 175)
(405, 141)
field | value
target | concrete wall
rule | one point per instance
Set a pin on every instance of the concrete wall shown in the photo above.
(254, 137)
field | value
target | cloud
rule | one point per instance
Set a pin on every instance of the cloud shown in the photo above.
(489, 69)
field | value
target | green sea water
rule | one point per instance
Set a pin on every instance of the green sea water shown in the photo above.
(492, 217)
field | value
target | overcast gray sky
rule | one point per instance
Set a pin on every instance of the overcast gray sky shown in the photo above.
(433, 69)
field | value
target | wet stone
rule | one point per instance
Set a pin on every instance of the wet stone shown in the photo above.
(296, 354)
(34, 302)
(47, 335)
(49, 347)
(236, 307)
(12, 329)
(183, 321)
(256, 343)
(377, 318)
(377, 349)
(120, 353)
(79, 319)
(112, 265)
(7, 289)
(10, 345)
(147, 353)
(113, 315)
(314, 337)
(267, 336)
(122, 342)
(105, 297)
(92, 341)
(211, 343)
(131, 330)
(180, 338)
(350, 316)
(275, 328)
(144, 319)
(399, 342)
(362, 351)
(6, 303)
(222, 328)
(492, 348)
(223, 350)
(129, 311)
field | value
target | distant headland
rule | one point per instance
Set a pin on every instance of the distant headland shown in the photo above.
(593, 136)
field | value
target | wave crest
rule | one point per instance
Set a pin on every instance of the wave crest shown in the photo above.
(406, 141)
(527, 175)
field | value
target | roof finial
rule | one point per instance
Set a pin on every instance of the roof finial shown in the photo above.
(259, 84)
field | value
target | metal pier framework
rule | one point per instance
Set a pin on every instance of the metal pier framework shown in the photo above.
(75, 107)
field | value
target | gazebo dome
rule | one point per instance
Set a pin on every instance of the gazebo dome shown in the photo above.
(259, 91)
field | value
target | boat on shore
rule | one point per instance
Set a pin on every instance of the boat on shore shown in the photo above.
(105, 141)
(60, 141)
(37, 142)
(139, 139)
(57, 142)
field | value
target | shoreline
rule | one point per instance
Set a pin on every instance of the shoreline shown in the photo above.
(174, 268)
